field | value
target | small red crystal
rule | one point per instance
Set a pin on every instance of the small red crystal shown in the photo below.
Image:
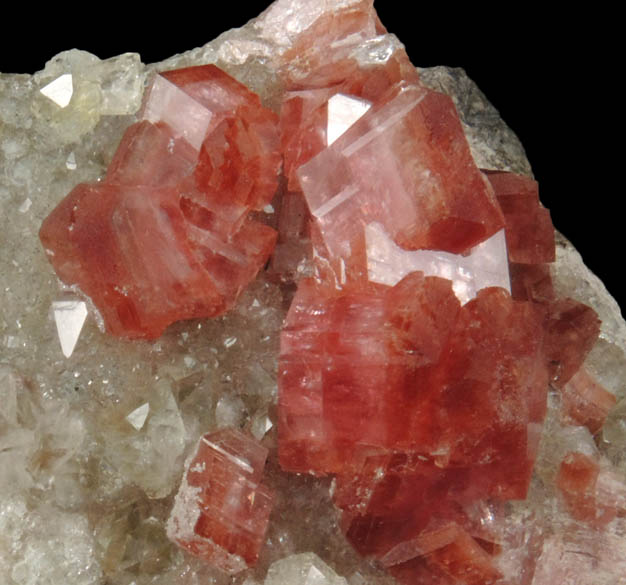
(572, 329)
(529, 229)
(577, 478)
(222, 508)
(585, 401)
(166, 235)
(531, 282)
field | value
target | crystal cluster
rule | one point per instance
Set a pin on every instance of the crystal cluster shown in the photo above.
(422, 407)
(167, 234)
(366, 143)
(435, 389)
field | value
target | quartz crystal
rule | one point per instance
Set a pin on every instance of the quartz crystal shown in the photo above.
(146, 443)
(302, 569)
(435, 384)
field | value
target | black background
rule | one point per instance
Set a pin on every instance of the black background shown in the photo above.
(553, 76)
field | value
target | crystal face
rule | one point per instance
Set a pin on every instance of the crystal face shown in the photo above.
(69, 317)
(302, 569)
(447, 414)
(367, 371)
(485, 265)
(60, 90)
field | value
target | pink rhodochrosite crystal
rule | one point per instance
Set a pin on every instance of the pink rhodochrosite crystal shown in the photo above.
(427, 361)
(378, 368)
(411, 367)
(591, 490)
(405, 164)
(222, 509)
(404, 393)
(529, 230)
(366, 142)
(585, 401)
(167, 234)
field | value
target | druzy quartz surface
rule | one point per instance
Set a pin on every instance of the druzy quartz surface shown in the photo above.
(435, 383)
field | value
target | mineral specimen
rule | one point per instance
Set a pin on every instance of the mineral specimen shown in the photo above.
(94, 430)
(166, 235)
(221, 510)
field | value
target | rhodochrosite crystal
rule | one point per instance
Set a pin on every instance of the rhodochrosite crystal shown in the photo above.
(166, 235)
(402, 368)
(222, 508)
(366, 142)
(433, 379)
(422, 407)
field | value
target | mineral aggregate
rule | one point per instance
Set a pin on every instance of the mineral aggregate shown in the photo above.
(90, 471)
(167, 234)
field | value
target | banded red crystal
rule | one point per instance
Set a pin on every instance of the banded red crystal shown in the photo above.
(585, 401)
(167, 234)
(222, 508)
(422, 408)
(529, 229)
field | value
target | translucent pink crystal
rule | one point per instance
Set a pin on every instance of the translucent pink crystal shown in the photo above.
(378, 368)
(585, 401)
(529, 229)
(572, 329)
(167, 234)
(485, 265)
(222, 509)
(406, 165)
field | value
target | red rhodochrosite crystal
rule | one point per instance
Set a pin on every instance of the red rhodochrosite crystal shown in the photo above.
(425, 410)
(572, 329)
(586, 401)
(410, 514)
(406, 165)
(166, 235)
(366, 142)
(405, 368)
(577, 479)
(345, 359)
(531, 282)
(222, 508)
(529, 229)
